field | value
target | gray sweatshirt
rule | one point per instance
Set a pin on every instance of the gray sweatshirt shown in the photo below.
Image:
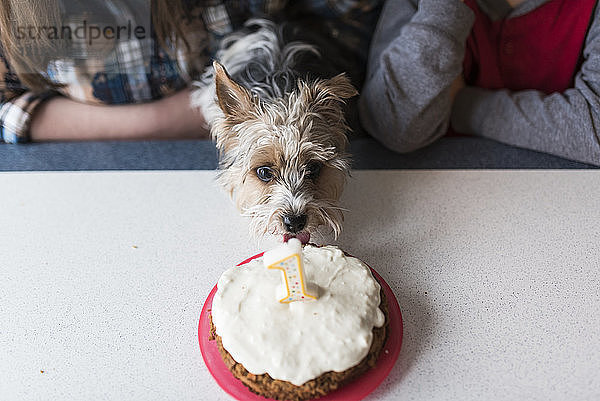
(417, 52)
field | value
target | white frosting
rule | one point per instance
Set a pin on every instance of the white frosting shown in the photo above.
(299, 341)
(283, 250)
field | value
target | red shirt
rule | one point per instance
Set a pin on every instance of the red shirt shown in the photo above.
(539, 50)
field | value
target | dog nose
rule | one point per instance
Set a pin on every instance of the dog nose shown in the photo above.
(294, 223)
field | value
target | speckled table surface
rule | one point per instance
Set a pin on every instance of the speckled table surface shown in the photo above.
(103, 276)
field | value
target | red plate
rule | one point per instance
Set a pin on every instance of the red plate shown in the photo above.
(353, 391)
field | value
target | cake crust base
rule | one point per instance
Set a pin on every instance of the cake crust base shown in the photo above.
(268, 387)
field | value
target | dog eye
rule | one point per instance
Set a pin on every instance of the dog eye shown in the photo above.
(265, 173)
(313, 169)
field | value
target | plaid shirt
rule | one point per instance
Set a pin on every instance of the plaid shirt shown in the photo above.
(140, 70)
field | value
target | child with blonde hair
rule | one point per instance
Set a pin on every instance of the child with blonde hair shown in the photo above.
(122, 69)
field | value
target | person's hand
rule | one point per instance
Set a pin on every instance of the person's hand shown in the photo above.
(456, 86)
(175, 118)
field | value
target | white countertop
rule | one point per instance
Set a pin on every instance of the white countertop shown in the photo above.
(103, 276)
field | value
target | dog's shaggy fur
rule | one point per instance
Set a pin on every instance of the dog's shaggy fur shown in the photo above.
(279, 126)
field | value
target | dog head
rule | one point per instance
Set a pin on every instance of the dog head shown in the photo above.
(283, 160)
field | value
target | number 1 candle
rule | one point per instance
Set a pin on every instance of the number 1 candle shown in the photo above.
(288, 258)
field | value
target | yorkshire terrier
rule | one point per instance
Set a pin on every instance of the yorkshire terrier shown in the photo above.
(275, 108)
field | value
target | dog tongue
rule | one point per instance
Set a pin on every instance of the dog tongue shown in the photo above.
(304, 237)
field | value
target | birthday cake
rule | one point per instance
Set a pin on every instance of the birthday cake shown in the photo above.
(298, 328)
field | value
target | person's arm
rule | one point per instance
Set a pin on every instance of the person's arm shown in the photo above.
(26, 116)
(415, 66)
(564, 124)
(17, 104)
(62, 119)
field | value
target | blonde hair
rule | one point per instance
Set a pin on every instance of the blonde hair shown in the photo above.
(167, 16)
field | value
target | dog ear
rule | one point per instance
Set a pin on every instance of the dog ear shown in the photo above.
(325, 100)
(234, 99)
(327, 93)
(339, 87)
